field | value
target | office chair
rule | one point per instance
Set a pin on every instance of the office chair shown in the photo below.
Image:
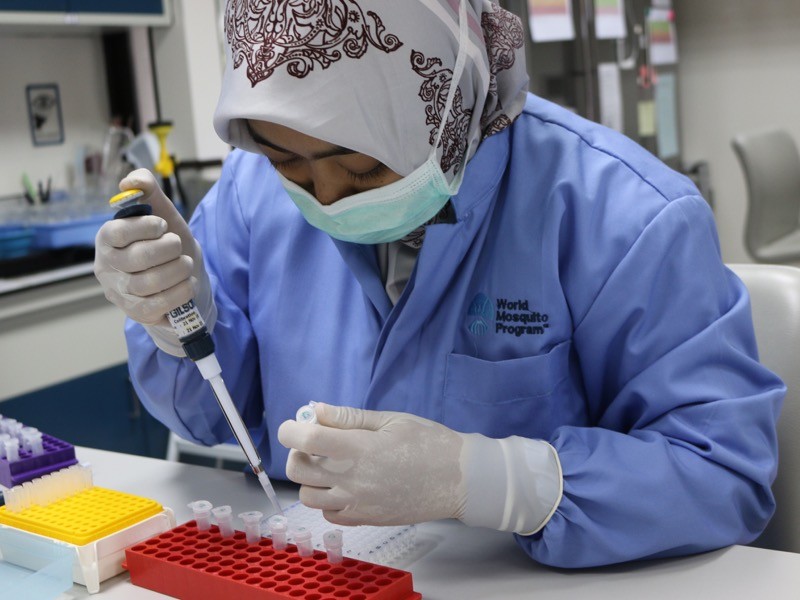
(771, 166)
(775, 300)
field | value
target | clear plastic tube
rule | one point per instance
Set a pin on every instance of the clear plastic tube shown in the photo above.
(202, 513)
(302, 538)
(278, 527)
(12, 449)
(306, 414)
(252, 525)
(332, 540)
(33, 443)
(224, 517)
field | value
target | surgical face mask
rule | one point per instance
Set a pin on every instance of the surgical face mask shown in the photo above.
(381, 215)
(389, 213)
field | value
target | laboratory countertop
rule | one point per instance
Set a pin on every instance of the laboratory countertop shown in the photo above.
(25, 282)
(461, 562)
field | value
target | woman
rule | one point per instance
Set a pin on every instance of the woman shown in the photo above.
(533, 309)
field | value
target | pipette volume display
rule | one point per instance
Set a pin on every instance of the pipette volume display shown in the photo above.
(188, 323)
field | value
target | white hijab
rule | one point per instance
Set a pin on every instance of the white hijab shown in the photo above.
(372, 75)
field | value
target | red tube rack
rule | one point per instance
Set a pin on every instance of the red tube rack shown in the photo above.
(202, 565)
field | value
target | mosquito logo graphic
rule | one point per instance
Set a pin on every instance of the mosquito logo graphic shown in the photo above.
(480, 315)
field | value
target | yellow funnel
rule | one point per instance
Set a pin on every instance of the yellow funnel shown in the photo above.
(161, 129)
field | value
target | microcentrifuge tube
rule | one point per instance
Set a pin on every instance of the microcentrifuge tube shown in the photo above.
(27, 432)
(302, 538)
(202, 513)
(33, 442)
(252, 525)
(15, 428)
(12, 449)
(278, 527)
(332, 540)
(306, 414)
(224, 517)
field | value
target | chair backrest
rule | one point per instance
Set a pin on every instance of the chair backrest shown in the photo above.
(775, 300)
(771, 166)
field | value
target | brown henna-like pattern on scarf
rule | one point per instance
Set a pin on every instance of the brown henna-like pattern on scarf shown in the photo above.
(300, 34)
(434, 91)
(503, 33)
(497, 125)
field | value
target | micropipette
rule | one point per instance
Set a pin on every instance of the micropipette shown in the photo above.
(198, 345)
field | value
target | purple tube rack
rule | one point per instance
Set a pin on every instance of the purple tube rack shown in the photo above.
(58, 454)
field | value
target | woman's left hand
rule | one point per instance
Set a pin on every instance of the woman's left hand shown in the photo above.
(364, 467)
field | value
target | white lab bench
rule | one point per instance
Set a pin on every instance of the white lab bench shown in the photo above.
(463, 563)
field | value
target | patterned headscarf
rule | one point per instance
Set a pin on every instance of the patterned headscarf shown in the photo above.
(372, 75)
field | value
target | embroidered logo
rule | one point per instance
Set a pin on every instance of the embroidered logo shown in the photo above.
(510, 317)
(515, 317)
(480, 315)
(300, 34)
(434, 91)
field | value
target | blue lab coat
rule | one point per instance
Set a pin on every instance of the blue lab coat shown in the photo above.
(579, 298)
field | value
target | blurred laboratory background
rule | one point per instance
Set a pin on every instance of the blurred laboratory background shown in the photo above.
(92, 89)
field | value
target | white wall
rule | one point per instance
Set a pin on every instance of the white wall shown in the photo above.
(189, 67)
(75, 63)
(739, 70)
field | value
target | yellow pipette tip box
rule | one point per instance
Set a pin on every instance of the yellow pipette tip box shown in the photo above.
(84, 517)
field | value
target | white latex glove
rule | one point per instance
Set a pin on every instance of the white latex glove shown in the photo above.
(149, 265)
(363, 467)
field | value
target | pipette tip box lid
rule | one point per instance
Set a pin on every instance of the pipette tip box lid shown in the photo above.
(57, 455)
(202, 565)
(97, 524)
(32, 567)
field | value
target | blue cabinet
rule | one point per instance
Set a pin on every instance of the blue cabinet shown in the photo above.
(34, 5)
(146, 7)
(85, 12)
(99, 410)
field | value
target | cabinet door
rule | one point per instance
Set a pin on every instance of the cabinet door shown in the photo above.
(142, 7)
(99, 410)
(34, 5)
(91, 13)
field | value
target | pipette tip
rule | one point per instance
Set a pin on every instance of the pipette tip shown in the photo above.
(270, 491)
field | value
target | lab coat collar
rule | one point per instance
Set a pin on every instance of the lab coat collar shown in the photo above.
(482, 174)
(445, 243)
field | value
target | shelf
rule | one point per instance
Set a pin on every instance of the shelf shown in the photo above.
(93, 13)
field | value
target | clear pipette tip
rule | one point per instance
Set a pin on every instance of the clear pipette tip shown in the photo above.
(209, 368)
(270, 491)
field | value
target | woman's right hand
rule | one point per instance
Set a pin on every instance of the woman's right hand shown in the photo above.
(148, 265)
